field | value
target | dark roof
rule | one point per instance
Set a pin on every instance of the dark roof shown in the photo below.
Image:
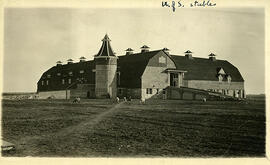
(106, 49)
(131, 68)
(205, 69)
(75, 68)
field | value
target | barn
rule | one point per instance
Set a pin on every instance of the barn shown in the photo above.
(146, 74)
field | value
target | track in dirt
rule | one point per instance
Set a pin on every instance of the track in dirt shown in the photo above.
(24, 143)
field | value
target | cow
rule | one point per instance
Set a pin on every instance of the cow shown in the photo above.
(142, 101)
(77, 100)
(117, 99)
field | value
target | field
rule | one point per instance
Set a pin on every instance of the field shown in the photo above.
(160, 128)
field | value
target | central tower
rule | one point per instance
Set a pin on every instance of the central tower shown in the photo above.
(106, 66)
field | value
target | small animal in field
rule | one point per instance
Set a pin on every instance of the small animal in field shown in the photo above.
(77, 100)
(204, 99)
(117, 99)
(142, 101)
(129, 99)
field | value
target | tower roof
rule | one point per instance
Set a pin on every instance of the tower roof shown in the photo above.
(106, 49)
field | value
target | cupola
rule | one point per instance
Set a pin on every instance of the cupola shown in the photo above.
(129, 51)
(70, 61)
(58, 63)
(166, 50)
(188, 54)
(144, 48)
(82, 59)
(212, 57)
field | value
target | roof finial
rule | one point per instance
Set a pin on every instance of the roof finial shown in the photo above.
(106, 49)
(106, 38)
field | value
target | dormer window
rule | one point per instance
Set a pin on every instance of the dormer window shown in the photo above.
(81, 71)
(221, 71)
(162, 60)
(220, 78)
(58, 74)
(229, 78)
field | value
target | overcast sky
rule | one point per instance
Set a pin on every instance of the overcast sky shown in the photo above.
(34, 39)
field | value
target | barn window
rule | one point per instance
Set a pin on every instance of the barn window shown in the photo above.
(47, 82)
(119, 91)
(220, 78)
(63, 81)
(148, 90)
(229, 78)
(162, 60)
(118, 78)
(69, 80)
(42, 82)
(58, 74)
(81, 71)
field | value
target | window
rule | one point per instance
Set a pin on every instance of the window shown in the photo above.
(119, 91)
(70, 73)
(47, 82)
(81, 71)
(118, 78)
(42, 82)
(220, 78)
(58, 74)
(174, 79)
(63, 81)
(162, 60)
(48, 76)
(229, 78)
(69, 80)
(148, 90)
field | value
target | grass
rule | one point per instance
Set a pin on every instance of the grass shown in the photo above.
(169, 128)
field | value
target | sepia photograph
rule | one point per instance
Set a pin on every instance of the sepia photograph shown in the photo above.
(178, 81)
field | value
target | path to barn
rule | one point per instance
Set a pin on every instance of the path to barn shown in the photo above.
(31, 145)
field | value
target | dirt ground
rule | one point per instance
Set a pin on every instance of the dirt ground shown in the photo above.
(158, 128)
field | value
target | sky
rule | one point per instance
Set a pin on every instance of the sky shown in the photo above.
(35, 38)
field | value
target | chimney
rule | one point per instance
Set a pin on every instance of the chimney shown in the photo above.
(129, 51)
(144, 48)
(166, 50)
(58, 63)
(70, 61)
(82, 59)
(212, 57)
(188, 54)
